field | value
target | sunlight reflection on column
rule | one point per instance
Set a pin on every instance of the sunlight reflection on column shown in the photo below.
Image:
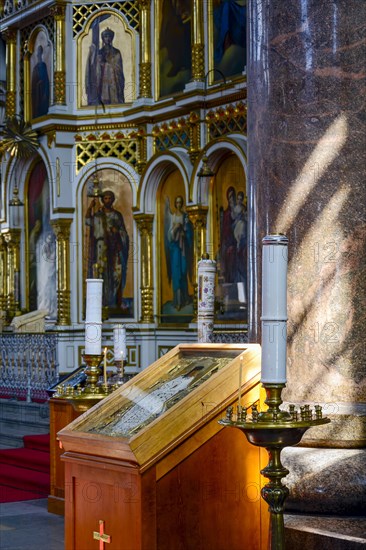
(326, 150)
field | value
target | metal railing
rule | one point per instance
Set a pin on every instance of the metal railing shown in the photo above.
(28, 365)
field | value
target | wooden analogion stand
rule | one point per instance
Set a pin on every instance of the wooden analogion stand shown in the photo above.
(150, 468)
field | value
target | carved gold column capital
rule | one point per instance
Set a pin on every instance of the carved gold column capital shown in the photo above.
(12, 237)
(144, 4)
(61, 229)
(197, 214)
(10, 37)
(144, 223)
(58, 11)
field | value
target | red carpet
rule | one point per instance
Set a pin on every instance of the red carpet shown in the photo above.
(25, 472)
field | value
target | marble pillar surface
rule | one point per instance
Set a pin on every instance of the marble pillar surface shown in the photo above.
(325, 481)
(307, 142)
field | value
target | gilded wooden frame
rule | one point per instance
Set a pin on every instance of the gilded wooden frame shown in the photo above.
(38, 38)
(159, 9)
(171, 187)
(124, 40)
(214, 70)
(229, 174)
(117, 182)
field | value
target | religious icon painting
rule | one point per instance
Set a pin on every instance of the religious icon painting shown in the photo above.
(229, 225)
(176, 253)
(108, 243)
(41, 275)
(174, 45)
(106, 62)
(228, 43)
(40, 67)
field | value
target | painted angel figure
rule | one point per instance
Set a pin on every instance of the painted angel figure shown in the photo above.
(178, 241)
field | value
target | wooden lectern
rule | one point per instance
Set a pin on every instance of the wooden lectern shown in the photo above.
(150, 468)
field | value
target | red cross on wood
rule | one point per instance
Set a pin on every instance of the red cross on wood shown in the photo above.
(101, 536)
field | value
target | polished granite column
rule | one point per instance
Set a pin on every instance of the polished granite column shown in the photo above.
(307, 141)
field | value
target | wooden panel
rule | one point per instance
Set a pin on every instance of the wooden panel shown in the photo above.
(61, 414)
(102, 490)
(200, 437)
(148, 496)
(212, 499)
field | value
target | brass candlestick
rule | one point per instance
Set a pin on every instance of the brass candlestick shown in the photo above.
(82, 398)
(274, 429)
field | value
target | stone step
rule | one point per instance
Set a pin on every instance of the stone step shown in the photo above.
(18, 418)
(325, 532)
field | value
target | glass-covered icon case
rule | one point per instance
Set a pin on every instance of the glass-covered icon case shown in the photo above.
(178, 389)
(190, 368)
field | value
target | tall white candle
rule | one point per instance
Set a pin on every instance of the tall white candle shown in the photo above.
(94, 290)
(93, 338)
(274, 309)
(119, 342)
(93, 317)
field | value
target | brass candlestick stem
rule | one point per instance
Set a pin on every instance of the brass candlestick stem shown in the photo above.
(120, 371)
(92, 371)
(274, 429)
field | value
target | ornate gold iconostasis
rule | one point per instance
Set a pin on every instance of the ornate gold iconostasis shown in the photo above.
(129, 144)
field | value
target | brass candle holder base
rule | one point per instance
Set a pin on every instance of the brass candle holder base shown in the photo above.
(83, 397)
(274, 429)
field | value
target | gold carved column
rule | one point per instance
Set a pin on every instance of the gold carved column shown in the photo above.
(58, 12)
(194, 136)
(12, 239)
(61, 228)
(3, 274)
(10, 37)
(145, 224)
(141, 149)
(198, 43)
(198, 216)
(145, 45)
